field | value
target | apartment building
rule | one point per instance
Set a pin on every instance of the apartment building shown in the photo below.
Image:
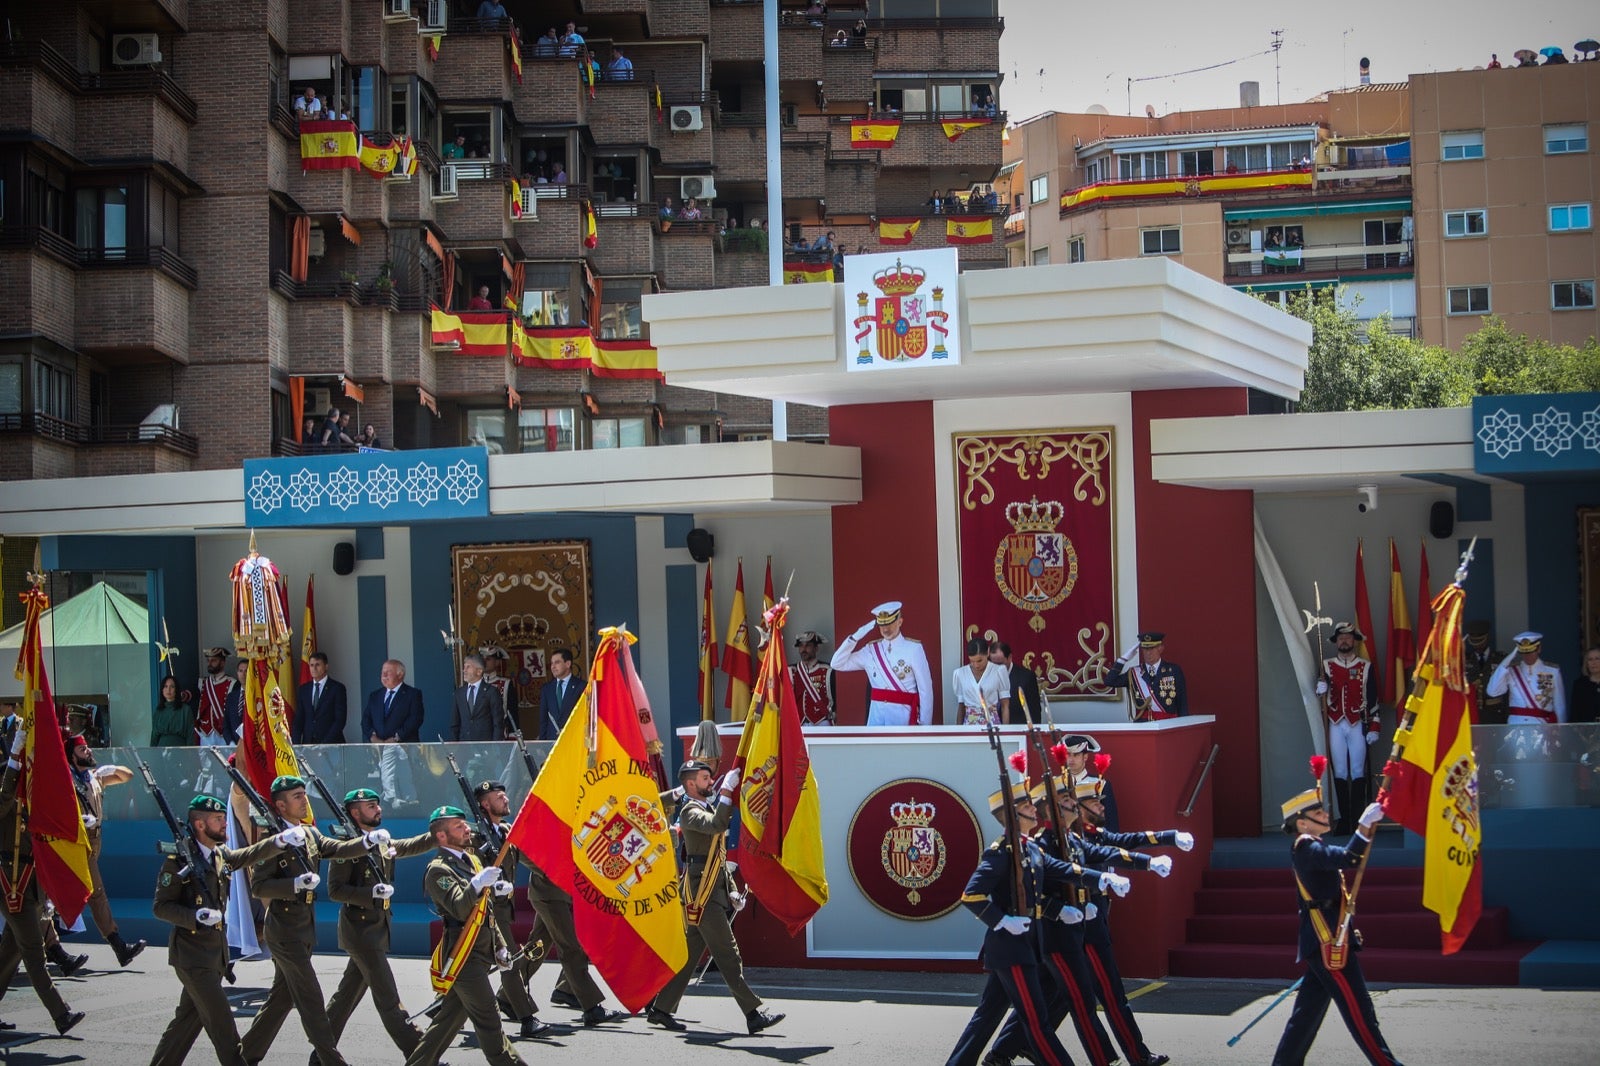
(187, 275)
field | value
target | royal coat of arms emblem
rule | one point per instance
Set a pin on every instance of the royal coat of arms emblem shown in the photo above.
(616, 840)
(913, 852)
(904, 325)
(1035, 565)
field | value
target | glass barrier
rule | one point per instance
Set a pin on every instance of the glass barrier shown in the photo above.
(1522, 766)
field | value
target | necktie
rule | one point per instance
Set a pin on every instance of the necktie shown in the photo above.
(388, 698)
(472, 695)
(561, 689)
(316, 694)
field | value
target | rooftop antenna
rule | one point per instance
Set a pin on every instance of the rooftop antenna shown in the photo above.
(1344, 55)
(1277, 65)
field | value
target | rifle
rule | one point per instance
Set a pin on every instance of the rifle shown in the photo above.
(343, 819)
(527, 756)
(273, 819)
(1008, 813)
(1052, 799)
(490, 834)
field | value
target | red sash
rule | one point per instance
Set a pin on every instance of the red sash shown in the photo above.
(213, 703)
(896, 694)
(813, 697)
(1532, 710)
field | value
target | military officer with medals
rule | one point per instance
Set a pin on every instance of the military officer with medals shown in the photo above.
(813, 682)
(365, 884)
(709, 904)
(1532, 687)
(288, 884)
(1157, 686)
(1349, 690)
(896, 668)
(453, 882)
(197, 950)
(1479, 659)
(211, 716)
(514, 999)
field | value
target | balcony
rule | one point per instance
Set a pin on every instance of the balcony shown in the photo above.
(551, 93)
(923, 142)
(737, 269)
(481, 210)
(1180, 187)
(1315, 262)
(847, 70)
(369, 337)
(40, 446)
(475, 61)
(685, 254)
(559, 234)
(916, 45)
(625, 238)
(624, 112)
(136, 309)
(852, 183)
(681, 147)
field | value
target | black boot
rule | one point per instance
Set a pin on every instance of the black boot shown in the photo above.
(1341, 794)
(126, 952)
(67, 964)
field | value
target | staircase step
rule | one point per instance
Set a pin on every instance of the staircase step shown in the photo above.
(1374, 899)
(1497, 966)
(1283, 876)
(1419, 930)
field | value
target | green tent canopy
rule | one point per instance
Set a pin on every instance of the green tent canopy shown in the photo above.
(95, 618)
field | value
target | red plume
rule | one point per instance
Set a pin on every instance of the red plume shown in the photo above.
(1102, 763)
(1059, 753)
(1019, 761)
(1319, 763)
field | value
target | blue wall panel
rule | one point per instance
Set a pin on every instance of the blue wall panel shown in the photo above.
(1550, 512)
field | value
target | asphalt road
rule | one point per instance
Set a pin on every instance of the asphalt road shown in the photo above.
(845, 1017)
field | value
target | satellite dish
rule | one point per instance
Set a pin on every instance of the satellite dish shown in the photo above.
(1149, 110)
(1095, 109)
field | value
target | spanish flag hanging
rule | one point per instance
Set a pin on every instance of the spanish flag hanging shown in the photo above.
(799, 273)
(655, 97)
(591, 235)
(514, 200)
(971, 229)
(329, 145)
(874, 133)
(380, 160)
(954, 130)
(516, 55)
(898, 230)
(434, 43)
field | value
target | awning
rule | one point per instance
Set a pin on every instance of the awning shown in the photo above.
(1008, 168)
(1359, 207)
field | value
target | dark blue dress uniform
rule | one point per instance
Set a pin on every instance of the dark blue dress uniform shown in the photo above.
(1319, 868)
(1012, 960)
(1167, 686)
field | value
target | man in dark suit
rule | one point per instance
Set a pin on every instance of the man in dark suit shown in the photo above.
(392, 717)
(1024, 682)
(322, 706)
(559, 695)
(477, 712)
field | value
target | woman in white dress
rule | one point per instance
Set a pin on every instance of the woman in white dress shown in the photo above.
(982, 686)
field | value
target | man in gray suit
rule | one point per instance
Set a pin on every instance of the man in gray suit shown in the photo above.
(477, 712)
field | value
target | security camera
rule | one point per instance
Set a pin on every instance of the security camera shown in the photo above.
(1368, 498)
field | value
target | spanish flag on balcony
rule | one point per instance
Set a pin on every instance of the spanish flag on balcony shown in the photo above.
(898, 230)
(874, 133)
(516, 55)
(380, 160)
(969, 230)
(953, 130)
(799, 273)
(329, 145)
(471, 332)
(514, 200)
(573, 348)
(655, 98)
(434, 42)
(405, 164)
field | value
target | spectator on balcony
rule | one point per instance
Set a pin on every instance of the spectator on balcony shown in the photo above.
(560, 176)
(620, 67)
(668, 212)
(307, 105)
(492, 9)
(840, 40)
(691, 211)
(818, 12)
(1494, 61)
(526, 179)
(572, 40)
(549, 45)
(369, 437)
(331, 433)
(172, 721)
(346, 430)
(824, 243)
(308, 431)
(456, 149)
(542, 177)
(859, 31)
(480, 302)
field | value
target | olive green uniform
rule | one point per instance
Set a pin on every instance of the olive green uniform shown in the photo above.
(513, 997)
(364, 927)
(199, 953)
(291, 935)
(700, 821)
(448, 884)
(554, 908)
(23, 940)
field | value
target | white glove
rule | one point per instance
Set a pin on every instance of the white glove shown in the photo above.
(502, 958)
(1071, 915)
(485, 877)
(861, 634)
(503, 888)
(375, 837)
(1133, 649)
(207, 916)
(307, 882)
(1090, 910)
(382, 891)
(738, 899)
(1015, 924)
(1511, 657)
(1115, 883)
(1372, 737)
(1322, 686)
(1184, 841)
(19, 740)
(292, 837)
(1161, 865)
(1371, 816)
(90, 821)
(730, 781)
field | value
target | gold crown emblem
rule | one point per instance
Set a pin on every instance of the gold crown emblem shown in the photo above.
(899, 280)
(520, 630)
(644, 815)
(912, 813)
(1035, 517)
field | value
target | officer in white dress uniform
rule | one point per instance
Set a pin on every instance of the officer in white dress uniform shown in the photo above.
(1532, 687)
(896, 668)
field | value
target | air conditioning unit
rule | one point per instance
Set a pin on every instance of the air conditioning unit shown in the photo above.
(688, 119)
(446, 188)
(135, 49)
(1238, 235)
(399, 9)
(317, 247)
(434, 16)
(700, 187)
(317, 402)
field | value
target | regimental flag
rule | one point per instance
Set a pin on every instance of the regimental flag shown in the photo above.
(516, 55)
(1369, 639)
(435, 42)
(898, 230)
(736, 661)
(1432, 779)
(591, 235)
(779, 815)
(380, 160)
(1402, 650)
(327, 144)
(261, 635)
(796, 272)
(874, 133)
(1424, 597)
(308, 631)
(953, 130)
(708, 654)
(594, 824)
(970, 229)
(44, 785)
(655, 98)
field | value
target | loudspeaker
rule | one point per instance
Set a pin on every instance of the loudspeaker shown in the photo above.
(344, 558)
(702, 545)
(1442, 520)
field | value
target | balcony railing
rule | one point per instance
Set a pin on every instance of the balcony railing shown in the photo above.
(52, 62)
(52, 243)
(341, 289)
(1319, 259)
(44, 426)
(40, 425)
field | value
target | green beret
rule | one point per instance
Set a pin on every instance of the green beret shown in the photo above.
(356, 795)
(441, 813)
(287, 783)
(209, 804)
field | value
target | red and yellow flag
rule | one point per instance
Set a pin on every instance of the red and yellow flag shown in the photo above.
(591, 235)
(1402, 651)
(898, 230)
(594, 824)
(655, 98)
(516, 55)
(766, 590)
(1369, 638)
(1424, 598)
(954, 129)
(308, 631)
(327, 144)
(44, 784)
(513, 200)
(797, 272)
(434, 42)
(969, 230)
(779, 814)
(381, 160)
(708, 654)
(736, 661)
(874, 133)
(1432, 783)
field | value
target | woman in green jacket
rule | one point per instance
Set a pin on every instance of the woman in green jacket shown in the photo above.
(172, 722)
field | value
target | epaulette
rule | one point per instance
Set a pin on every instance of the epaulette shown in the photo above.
(999, 844)
(1299, 839)
(167, 849)
(909, 640)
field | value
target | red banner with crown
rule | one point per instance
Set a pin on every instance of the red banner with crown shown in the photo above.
(1036, 539)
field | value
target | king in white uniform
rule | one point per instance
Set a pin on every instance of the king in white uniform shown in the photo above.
(1532, 687)
(896, 668)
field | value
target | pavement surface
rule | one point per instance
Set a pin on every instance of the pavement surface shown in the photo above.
(845, 1017)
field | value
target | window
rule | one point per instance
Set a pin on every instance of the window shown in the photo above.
(1096, 170)
(1142, 165)
(1465, 145)
(1469, 300)
(52, 390)
(620, 303)
(1197, 163)
(546, 429)
(1075, 250)
(1041, 257)
(1474, 223)
(547, 294)
(619, 432)
(693, 433)
(1567, 217)
(1559, 140)
(1039, 189)
(487, 429)
(366, 92)
(1161, 241)
(103, 220)
(1244, 157)
(1572, 295)
(10, 388)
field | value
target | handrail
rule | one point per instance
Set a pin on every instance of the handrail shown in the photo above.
(44, 426)
(145, 433)
(53, 63)
(996, 118)
(46, 240)
(1205, 772)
